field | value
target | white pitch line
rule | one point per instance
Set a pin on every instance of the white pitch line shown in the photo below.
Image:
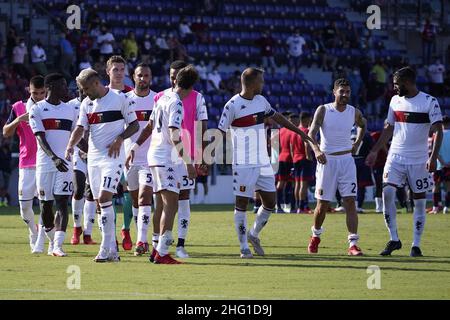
(115, 293)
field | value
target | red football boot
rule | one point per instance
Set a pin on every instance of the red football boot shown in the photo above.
(152, 255)
(167, 259)
(87, 239)
(77, 231)
(127, 244)
(313, 246)
(354, 251)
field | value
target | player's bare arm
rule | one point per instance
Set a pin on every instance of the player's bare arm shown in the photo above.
(10, 129)
(385, 136)
(60, 164)
(437, 129)
(281, 120)
(361, 123)
(145, 134)
(75, 138)
(203, 165)
(115, 146)
(175, 135)
(319, 115)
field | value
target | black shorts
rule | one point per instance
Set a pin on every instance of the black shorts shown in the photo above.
(442, 175)
(201, 179)
(284, 171)
(363, 174)
(304, 170)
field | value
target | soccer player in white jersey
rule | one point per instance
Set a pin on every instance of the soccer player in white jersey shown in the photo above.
(412, 115)
(194, 109)
(115, 69)
(52, 121)
(18, 122)
(81, 205)
(165, 154)
(137, 174)
(104, 113)
(252, 171)
(335, 121)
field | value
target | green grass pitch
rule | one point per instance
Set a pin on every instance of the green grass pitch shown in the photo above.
(216, 272)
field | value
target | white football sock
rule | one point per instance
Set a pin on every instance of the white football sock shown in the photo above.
(155, 240)
(378, 204)
(27, 214)
(316, 232)
(240, 224)
(419, 216)
(107, 223)
(390, 211)
(164, 243)
(77, 211)
(59, 239)
(50, 234)
(143, 222)
(90, 208)
(261, 219)
(135, 216)
(352, 239)
(184, 216)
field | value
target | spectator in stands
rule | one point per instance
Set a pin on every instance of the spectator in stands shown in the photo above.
(380, 70)
(295, 50)
(447, 84)
(18, 59)
(85, 62)
(200, 30)
(351, 35)
(163, 51)
(185, 32)
(38, 58)
(202, 73)
(330, 35)
(436, 76)
(106, 41)
(5, 172)
(95, 50)
(374, 96)
(317, 51)
(83, 46)
(146, 49)
(11, 42)
(129, 46)
(66, 57)
(132, 62)
(177, 49)
(356, 85)
(428, 41)
(214, 81)
(233, 84)
(266, 45)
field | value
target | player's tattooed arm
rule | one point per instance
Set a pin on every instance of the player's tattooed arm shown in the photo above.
(116, 145)
(83, 145)
(438, 130)
(60, 164)
(361, 124)
(385, 136)
(319, 115)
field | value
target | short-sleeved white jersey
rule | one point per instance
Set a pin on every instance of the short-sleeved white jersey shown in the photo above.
(412, 119)
(143, 107)
(105, 118)
(246, 119)
(167, 113)
(57, 122)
